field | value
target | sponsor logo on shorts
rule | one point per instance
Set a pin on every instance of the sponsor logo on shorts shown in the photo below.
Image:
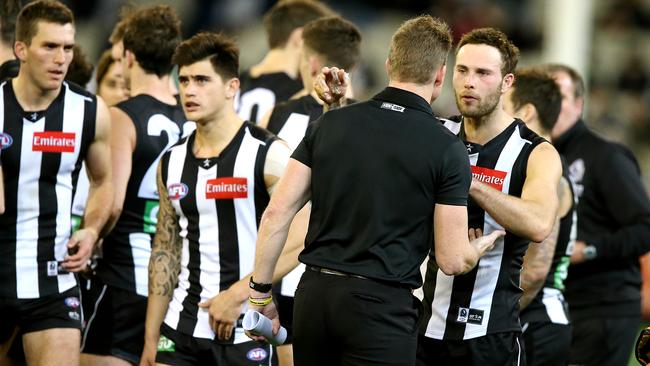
(471, 316)
(72, 302)
(226, 188)
(5, 141)
(257, 354)
(52, 141)
(166, 345)
(74, 315)
(491, 177)
(176, 191)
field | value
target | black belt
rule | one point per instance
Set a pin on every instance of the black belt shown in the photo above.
(334, 272)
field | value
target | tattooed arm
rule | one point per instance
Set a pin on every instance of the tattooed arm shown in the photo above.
(164, 266)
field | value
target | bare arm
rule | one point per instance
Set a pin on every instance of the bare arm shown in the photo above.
(537, 262)
(533, 215)
(122, 146)
(164, 266)
(100, 194)
(455, 253)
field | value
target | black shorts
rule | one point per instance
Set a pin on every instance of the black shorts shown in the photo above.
(498, 349)
(114, 322)
(178, 349)
(546, 343)
(49, 312)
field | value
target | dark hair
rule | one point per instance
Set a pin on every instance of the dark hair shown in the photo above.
(104, 63)
(497, 39)
(286, 16)
(578, 82)
(335, 39)
(152, 34)
(220, 49)
(50, 11)
(541, 91)
(8, 12)
(417, 48)
(80, 70)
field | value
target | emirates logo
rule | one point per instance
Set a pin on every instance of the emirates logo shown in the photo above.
(491, 177)
(55, 142)
(226, 188)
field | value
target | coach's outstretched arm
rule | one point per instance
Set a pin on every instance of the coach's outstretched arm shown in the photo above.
(164, 266)
(100, 195)
(291, 194)
(533, 215)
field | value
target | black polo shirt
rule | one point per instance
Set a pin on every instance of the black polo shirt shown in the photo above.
(377, 170)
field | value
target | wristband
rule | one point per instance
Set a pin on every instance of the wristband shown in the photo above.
(260, 302)
(259, 287)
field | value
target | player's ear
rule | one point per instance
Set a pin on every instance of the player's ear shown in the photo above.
(528, 112)
(129, 57)
(314, 65)
(295, 38)
(231, 88)
(20, 49)
(507, 82)
(440, 76)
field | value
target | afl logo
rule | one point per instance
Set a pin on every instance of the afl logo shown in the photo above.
(176, 191)
(72, 302)
(256, 354)
(5, 141)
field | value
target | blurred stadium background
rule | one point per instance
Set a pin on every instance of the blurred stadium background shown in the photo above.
(607, 40)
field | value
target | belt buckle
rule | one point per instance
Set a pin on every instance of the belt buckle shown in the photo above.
(332, 272)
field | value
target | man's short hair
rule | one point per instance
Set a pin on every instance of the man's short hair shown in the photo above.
(419, 47)
(578, 82)
(219, 49)
(540, 90)
(497, 39)
(286, 16)
(334, 39)
(50, 11)
(152, 34)
(80, 70)
(9, 10)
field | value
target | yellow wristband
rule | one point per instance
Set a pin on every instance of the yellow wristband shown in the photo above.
(260, 302)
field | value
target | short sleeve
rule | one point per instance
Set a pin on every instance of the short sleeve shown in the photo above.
(304, 151)
(454, 176)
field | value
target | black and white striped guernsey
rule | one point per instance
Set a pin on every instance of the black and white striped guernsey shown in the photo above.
(257, 95)
(219, 203)
(549, 305)
(127, 247)
(289, 120)
(485, 300)
(41, 154)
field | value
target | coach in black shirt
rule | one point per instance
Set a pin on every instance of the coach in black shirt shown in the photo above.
(603, 286)
(381, 175)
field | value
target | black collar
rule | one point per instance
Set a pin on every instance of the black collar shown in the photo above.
(565, 139)
(404, 98)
